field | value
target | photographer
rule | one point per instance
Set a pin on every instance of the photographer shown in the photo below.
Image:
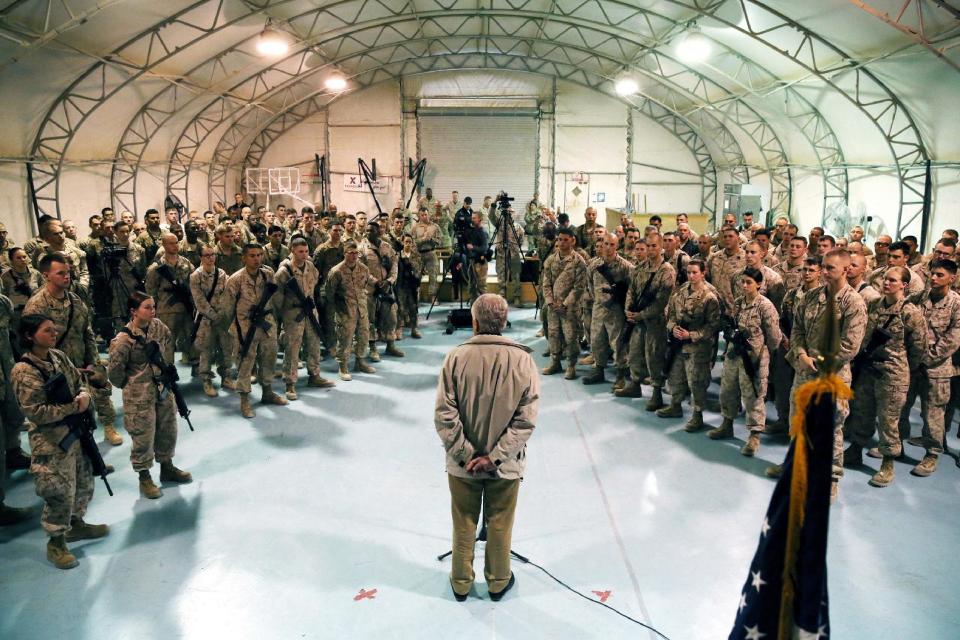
(476, 247)
(486, 409)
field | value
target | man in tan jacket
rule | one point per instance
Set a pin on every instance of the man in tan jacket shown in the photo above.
(488, 396)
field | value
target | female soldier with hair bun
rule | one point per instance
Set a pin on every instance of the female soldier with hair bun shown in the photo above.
(149, 415)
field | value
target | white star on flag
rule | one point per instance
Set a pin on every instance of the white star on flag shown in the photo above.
(753, 633)
(765, 527)
(757, 580)
(743, 601)
(812, 635)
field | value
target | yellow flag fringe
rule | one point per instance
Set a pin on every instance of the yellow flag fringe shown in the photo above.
(804, 395)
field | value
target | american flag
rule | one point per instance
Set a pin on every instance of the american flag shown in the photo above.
(762, 599)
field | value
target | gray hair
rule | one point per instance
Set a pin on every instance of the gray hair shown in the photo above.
(489, 311)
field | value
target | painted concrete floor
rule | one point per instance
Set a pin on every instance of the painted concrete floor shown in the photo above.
(324, 519)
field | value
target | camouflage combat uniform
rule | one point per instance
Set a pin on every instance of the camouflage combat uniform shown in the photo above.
(791, 275)
(932, 381)
(564, 279)
(230, 261)
(274, 256)
(699, 313)
(880, 390)
(723, 269)
(607, 317)
(75, 337)
(408, 288)
(171, 311)
(214, 340)
(647, 347)
(771, 288)
(10, 414)
(428, 237)
(297, 327)
(759, 321)
(243, 293)
(381, 263)
(809, 326)
(64, 479)
(346, 291)
(151, 420)
(325, 258)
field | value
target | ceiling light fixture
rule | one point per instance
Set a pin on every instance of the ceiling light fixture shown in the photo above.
(272, 43)
(335, 83)
(693, 46)
(626, 87)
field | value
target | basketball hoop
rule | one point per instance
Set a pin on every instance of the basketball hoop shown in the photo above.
(275, 181)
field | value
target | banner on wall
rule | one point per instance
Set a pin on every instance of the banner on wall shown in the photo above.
(355, 182)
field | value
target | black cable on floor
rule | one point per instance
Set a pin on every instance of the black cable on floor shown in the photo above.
(586, 597)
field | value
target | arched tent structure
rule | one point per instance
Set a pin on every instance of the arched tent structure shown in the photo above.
(120, 103)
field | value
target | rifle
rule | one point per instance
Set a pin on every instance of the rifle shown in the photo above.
(739, 347)
(674, 345)
(878, 339)
(209, 297)
(616, 290)
(180, 292)
(168, 379)
(80, 425)
(257, 318)
(307, 305)
(644, 300)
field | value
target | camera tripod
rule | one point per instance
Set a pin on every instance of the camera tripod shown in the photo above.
(503, 244)
(460, 258)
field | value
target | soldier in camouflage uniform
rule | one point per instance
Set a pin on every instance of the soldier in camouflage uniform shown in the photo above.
(9, 435)
(326, 257)
(244, 291)
(772, 287)
(10, 415)
(152, 238)
(564, 279)
(755, 316)
(346, 290)
(124, 272)
(64, 479)
(940, 307)
(880, 387)
(275, 252)
(381, 262)
(806, 339)
(212, 337)
(655, 279)
(428, 237)
(19, 282)
(693, 319)
(608, 279)
(855, 274)
(409, 274)
(897, 257)
(54, 241)
(168, 283)
(229, 255)
(725, 265)
(298, 328)
(149, 415)
(74, 324)
(193, 238)
(309, 231)
(791, 269)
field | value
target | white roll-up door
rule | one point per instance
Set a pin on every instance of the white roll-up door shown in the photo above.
(480, 155)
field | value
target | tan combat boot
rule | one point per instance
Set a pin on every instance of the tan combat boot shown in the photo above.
(361, 365)
(147, 488)
(245, 408)
(59, 555)
(773, 471)
(620, 381)
(228, 383)
(695, 423)
(415, 333)
(926, 467)
(110, 435)
(291, 391)
(269, 397)
(630, 390)
(208, 389)
(344, 373)
(319, 381)
(80, 530)
(553, 367)
(587, 360)
(775, 427)
(393, 351)
(374, 355)
(169, 473)
(752, 445)
(673, 411)
(725, 430)
(656, 400)
(571, 373)
(884, 477)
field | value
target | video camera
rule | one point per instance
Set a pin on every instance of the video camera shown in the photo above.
(113, 254)
(504, 200)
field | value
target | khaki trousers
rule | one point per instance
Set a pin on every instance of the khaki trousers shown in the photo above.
(499, 500)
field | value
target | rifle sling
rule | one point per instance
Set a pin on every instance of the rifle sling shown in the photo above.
(66, 329)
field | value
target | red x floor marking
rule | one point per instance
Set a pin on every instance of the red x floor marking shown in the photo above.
(603, 595)
(365, 595)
